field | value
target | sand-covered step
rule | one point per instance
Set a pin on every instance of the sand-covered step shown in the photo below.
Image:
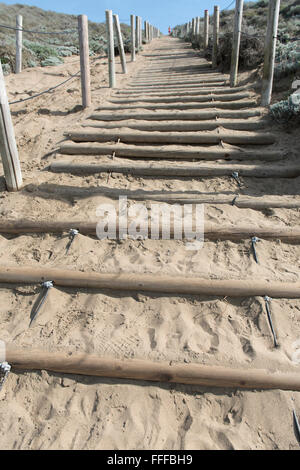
(204, 85)
(172, 151)
(182, 99)
(176, 115)
(214, 137)
(203, 91)
(192, 105)
(191, 171)
(185, 126)
(258, 203)
(177, 82)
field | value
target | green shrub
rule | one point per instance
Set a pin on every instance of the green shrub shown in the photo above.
(51, 61)
(285, 110)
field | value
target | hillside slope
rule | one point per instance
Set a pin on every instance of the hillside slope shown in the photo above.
(46, 49)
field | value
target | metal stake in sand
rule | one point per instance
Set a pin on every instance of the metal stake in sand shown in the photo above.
(72, 234)
(238, 16)
(254, 240)
(235, 176)
(47, 285)
(267, 302)
(111, 48)
(296, 423)
(8, 146)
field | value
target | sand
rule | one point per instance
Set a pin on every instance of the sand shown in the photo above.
(43, 410)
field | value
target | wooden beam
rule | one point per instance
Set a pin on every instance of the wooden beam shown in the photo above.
(150, 283)
(177, 126)
(191, 171)
(173, 106)
(211, 231)
(182, 99)
(199, 153)
(177, 116)
(165, 372)
(127, 136)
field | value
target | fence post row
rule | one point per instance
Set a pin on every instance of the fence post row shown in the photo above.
(216, 36)
(238, 16)
(206, 28)
(120, 43)
(8, 146)
(84, 60)
(270, 50)
(19, 33)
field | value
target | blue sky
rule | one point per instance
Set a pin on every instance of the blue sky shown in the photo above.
(161, 13)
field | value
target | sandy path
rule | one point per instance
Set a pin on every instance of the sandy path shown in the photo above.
(54, 411)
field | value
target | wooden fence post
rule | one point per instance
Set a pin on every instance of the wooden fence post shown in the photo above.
(120, 43)
(132, 21)
(145, 29)
(206, 28)
(216, 36)
(141, 32)
(111, 48)
(137, 34)
(19, 26)
(84, 60)
(198, 28)
(8, 146)
(236, 42)
(270, 50)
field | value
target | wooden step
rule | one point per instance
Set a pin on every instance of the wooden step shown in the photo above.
(173, 152)
(91, 135)
(178, 116)
(185, 126)
(182, 99)
(192, 105)
(191, 171)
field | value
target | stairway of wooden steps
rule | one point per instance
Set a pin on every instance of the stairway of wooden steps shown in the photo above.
(178, 117)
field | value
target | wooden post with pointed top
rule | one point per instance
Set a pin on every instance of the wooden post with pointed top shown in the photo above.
(270, 50)
(19, 26)
(215, 36)
(120, 43)
(238, 16)
(8, 146)
(84, 60)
